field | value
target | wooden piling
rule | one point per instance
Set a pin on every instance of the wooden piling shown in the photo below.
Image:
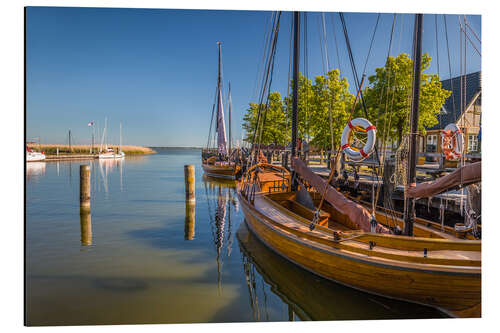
(189, 182)
(85, 187)
(189, 222)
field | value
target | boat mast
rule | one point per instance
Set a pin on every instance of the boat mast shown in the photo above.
(103, 135)
(120, 137)
(409, 216)
(230, 138)
(296, 53)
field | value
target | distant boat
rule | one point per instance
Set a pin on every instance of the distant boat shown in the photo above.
(109, 153)
(32, 156)
(221, 162)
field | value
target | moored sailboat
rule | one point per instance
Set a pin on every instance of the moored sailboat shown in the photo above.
(220, 162)
(303, 218)
(109, 152)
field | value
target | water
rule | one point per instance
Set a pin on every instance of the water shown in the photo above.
(142, 257)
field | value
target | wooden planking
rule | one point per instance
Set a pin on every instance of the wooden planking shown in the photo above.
(357, 273)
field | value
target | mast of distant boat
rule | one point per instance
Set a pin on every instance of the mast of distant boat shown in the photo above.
(103, 135)
(120, 137)
(229, 111)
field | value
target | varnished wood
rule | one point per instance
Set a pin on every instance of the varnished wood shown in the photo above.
(433, 268)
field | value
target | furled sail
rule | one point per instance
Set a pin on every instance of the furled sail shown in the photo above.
(221, 128)
(466, 175)
(358, 215)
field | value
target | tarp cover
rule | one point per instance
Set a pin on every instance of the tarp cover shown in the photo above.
(467, 174)
(354, 211)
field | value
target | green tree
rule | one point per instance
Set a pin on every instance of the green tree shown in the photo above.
(272, 127)
(331, 94)
(305, 105)
(388, 97)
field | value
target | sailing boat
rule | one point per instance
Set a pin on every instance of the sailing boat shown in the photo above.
(219, 162)
(109, 152)
(32, 155)
(428, 265)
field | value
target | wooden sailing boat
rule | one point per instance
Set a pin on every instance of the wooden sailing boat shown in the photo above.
(426, 265)
(218, 162)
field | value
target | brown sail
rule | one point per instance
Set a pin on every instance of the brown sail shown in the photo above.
(354, 211)
(466, 175)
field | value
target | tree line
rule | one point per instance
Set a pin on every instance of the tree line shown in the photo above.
(387, 98)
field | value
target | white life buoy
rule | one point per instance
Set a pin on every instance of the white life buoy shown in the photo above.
(452, 142)
(363, 125)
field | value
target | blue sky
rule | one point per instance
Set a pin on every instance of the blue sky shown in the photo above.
(155, 70)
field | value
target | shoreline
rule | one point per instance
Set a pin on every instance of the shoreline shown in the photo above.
(59, 151)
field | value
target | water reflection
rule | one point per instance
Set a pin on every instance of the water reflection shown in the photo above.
(307, 296)
(189, 221)
(106, 167)
(221, 201)
(85, 227)
(34, 170)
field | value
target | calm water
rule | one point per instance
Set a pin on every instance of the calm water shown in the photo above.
(144, 256)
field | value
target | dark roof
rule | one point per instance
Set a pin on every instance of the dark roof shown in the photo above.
(447, 115)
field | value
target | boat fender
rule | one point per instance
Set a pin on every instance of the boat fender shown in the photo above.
(373, 224)
(358, 124)
(452, 142)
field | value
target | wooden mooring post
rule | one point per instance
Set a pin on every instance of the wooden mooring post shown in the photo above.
(85, 218)
(189, 182)
(85, 188)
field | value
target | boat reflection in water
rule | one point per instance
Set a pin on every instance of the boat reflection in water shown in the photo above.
(220, 218)
(106, 167)
(34, 170)
(308, 296)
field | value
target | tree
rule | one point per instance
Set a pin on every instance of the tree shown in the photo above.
(388, 97)
(305, 107)
(331, 94)
(272, 124)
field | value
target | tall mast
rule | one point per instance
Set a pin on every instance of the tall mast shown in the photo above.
(296, 53)
(221, 129)
(120, 136)
(409, 216)
(230, 138)
(103, 134)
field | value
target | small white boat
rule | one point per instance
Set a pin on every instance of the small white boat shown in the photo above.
(108, 152)
(111, 154)
(32, 155)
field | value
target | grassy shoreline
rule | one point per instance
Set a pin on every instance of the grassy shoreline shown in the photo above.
(51, 149)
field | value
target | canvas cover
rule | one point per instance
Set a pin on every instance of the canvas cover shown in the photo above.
(354, 211)
(466, 175)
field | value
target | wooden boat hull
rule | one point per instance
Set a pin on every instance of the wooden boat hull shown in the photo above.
(454, 290)
(221, 171)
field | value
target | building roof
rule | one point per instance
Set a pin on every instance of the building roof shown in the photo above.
(450, 113)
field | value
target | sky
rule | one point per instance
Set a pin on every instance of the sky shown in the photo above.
(155, 70)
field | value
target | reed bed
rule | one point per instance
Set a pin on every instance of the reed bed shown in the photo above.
(51, 149)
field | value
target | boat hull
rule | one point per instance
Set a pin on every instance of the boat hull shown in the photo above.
(221, 171)
(34, 156)
(112, 156)
(457, 292)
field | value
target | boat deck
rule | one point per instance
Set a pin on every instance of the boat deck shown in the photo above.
(294, 224)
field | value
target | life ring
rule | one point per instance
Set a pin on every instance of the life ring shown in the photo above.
(452, 142)
(358, 124)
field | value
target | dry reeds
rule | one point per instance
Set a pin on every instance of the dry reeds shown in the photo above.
(51, 149)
